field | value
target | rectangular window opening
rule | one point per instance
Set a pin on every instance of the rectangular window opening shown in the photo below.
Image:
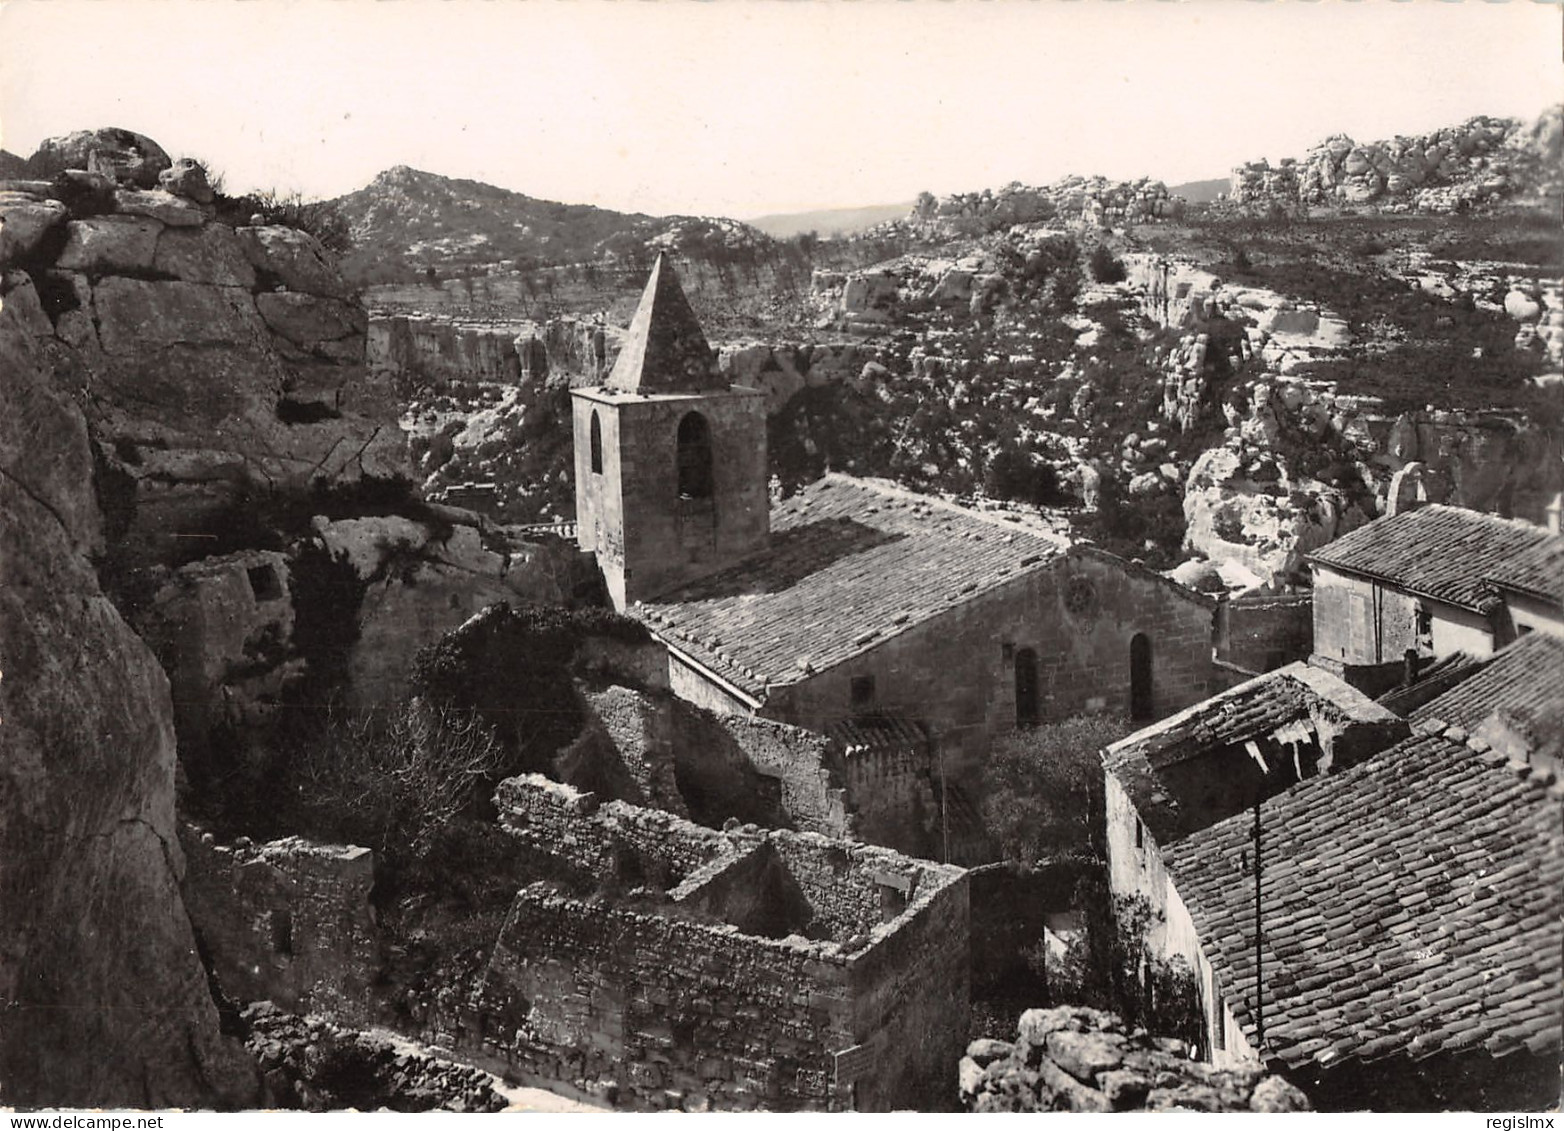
(862, 692)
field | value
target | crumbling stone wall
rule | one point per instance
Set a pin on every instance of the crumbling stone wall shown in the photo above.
(603, 839)
(288, 921)
(1078, 1059)
(751, 973)
(222, 628)
(752, 770)
(647, 1011)
(911, 995)
(1261, 633)
(892, 799)
(655, 749)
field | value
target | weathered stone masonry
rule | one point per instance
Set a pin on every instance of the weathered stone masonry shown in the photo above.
(854, 995)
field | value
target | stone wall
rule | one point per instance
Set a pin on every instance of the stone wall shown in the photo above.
(1261, 632)
(613, 839)
(741, 969)
(288, 922)
(890, 790)
(956, 671)
(647, 1011)
(1083, 1060)
(737, 767)
(655, 749)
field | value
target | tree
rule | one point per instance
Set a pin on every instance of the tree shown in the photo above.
(1105, 266)
(393, 786)
(1042, 787)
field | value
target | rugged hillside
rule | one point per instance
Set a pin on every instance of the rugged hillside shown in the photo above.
(405, 222)
(829, 222)
(1174, 379)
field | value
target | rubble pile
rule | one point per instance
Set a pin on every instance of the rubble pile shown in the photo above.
(312, 1064)
(1079, 1059)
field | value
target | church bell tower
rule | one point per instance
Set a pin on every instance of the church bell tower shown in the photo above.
(671, 474)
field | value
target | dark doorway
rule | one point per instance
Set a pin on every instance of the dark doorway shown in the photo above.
(1026, 688)
(694, 457)
(1140, 677)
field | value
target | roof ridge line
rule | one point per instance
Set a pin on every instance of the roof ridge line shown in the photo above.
(891, 489)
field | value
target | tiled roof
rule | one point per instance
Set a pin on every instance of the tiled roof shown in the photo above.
(1174, 772)
(1526, 679)
(1410, 906)
(665, 350)
(878, 732)
(851, 564)
(1538, 571)
(1432, 682)
(1434, 551)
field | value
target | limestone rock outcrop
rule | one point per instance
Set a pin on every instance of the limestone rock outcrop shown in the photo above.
(106, 1000)
(211, 362)
(1094, 201)
(122, 155)
(1083, 1060)
(1480, 162)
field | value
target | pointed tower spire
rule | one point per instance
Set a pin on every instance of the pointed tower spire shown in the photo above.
(665, 350)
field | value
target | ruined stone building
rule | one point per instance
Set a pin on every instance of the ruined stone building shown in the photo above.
(1404, 927)
(674, 966)
(1432, 582)
(912, 629)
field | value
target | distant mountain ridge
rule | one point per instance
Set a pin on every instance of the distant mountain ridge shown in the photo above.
(406, 221)
(829, 222)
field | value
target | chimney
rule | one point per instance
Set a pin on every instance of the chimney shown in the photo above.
(1409, 664)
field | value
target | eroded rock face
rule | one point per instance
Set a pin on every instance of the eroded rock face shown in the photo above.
(212, 363)
(1079, 1059)
(123, 155)
(106, 1000)
(1481, 161)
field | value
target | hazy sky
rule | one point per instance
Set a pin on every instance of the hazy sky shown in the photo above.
(741, 107)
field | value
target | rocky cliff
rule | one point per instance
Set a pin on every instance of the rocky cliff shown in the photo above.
(106, 1002)
(212, 363)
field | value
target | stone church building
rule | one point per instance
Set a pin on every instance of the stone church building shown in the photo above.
(854, 604)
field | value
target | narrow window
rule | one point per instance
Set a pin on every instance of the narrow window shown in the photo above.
(1026, 688)
(263, 583)
(694, 457)
(595, 442)
(1140, 834)
(1425, 626)
(862, 691)
(1140, 677)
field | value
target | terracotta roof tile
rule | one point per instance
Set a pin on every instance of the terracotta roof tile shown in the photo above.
(1538, 571)
(1445, 971)
(1434, 551)
(1176, 772)
(1526, 678)
(851, 564)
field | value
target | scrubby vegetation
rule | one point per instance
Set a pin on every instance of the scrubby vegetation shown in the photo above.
(1042, 788)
